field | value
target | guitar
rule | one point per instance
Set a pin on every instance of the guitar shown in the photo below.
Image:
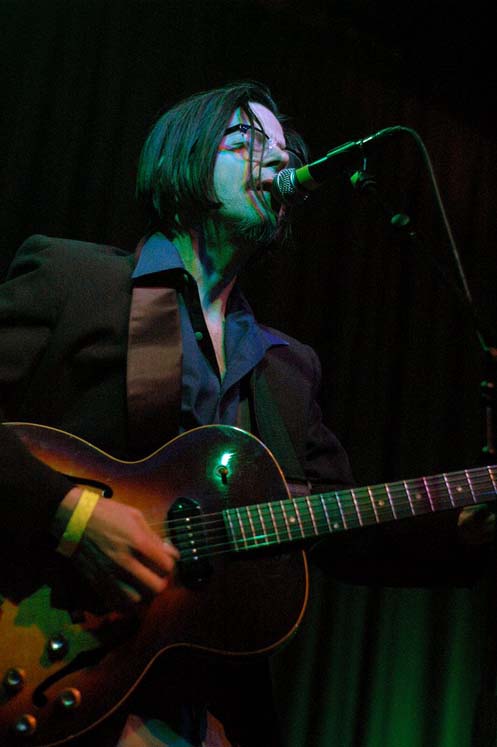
(220, 496)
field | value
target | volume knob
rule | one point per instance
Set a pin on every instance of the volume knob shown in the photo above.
(25, 725)
(14, 680)
(57, 647)
(69, 699)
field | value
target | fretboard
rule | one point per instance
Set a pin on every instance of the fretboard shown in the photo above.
(296, 519)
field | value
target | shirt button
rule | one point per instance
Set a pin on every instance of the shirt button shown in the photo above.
(199, 336)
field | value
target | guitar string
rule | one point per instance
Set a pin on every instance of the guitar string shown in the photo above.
(239, 543)
(305, 529)
(347, 517)
(345, 500)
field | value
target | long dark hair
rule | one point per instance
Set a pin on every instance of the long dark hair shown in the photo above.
(176, 166)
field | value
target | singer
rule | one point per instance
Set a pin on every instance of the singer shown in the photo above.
(127, 352)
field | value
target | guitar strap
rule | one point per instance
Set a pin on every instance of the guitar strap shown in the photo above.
(154, 364)
(270, 427)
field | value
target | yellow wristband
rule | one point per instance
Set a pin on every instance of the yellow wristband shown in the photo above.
(77, 522)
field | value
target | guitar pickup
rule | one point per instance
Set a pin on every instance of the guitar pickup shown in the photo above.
(188, 533)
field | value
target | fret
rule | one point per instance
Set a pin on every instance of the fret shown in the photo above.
(237, 528)
(339, 504)
(484, 487)
(440, 493)
(291, 521)
(333, 511)
(365, 506)
(281, 506)
(274, 522)
(244, 525)
(492, 478)
(297, 514)
(228, 514)
(397, 493)
(457, 493)
(265, 535)
(345, 501)
(311, 514)
(449, 491)
(408, 493)
(325, 512)
(387, 488)
(251, 524)
(356, 506)
(428, 493)
(373, 503)
(453, 492)
(468, 478)
(383, 509)
(256, 525)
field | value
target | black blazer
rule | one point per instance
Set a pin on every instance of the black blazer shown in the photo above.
(64, 312)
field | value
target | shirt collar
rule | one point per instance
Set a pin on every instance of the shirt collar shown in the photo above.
(159, 254)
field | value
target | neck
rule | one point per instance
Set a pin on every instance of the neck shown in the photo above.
(214, 261)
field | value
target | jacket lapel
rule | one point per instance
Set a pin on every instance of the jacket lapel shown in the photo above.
(154, 364)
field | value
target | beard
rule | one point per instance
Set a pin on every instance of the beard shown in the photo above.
(270, 228)
(260, 234)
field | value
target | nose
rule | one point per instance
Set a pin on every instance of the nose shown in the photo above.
(275, 156)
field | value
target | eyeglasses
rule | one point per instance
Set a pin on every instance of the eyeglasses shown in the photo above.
(247, 136)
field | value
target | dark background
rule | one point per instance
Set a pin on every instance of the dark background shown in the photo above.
(82, 83)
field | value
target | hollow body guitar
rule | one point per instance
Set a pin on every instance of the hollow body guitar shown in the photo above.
(220, 496)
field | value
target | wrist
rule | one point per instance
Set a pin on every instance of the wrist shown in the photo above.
(72, 517)
(64, 511)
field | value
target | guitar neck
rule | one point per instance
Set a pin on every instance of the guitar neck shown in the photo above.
(311, 516)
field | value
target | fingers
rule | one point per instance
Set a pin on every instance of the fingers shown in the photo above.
(141, 563)
(155, 551)
(147, 578)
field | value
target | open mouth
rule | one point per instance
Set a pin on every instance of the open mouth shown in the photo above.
(267, 195)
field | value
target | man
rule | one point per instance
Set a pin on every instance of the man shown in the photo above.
(127, 352)
(76, 344)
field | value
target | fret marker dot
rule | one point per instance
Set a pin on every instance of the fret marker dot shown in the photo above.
(459, 489)
(336, 526)
(381, 503)
(292, 519)
(417, 496)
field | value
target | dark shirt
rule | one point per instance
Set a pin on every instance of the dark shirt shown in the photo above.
(206, 397)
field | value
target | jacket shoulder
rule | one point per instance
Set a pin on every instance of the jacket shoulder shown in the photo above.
(294, 352)
(68, 258)
(71, 248)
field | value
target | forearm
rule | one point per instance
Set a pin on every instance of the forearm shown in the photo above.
(30, 492)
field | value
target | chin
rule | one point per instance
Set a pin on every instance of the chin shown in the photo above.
(264, 230)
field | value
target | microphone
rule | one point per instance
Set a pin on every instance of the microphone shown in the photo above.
(291, 186)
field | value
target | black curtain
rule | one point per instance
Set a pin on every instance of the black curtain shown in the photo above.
(81, 84)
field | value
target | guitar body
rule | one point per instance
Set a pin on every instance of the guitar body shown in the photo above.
(77, 666)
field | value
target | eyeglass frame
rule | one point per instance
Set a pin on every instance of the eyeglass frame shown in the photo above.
(269, 142)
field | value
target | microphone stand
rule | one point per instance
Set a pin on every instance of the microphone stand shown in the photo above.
(365, 183)
(484, 727)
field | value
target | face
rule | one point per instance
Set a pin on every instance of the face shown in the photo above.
(244, 189)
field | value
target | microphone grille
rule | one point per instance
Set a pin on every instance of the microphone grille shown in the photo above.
(285, 188)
